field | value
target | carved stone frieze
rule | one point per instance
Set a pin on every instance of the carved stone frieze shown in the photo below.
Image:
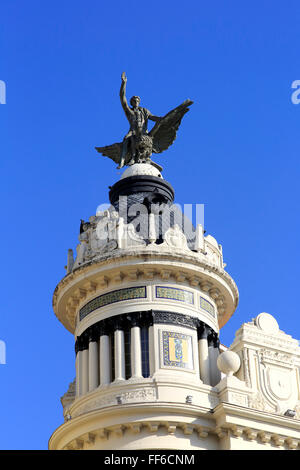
(175, 319)
(281, 341)
(268, 356)
(174, 237)
(132, 396)
(258, 402)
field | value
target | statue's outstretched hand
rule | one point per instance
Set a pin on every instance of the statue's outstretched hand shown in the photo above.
(124, 78)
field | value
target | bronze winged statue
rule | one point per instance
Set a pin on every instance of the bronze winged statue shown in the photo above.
(139, 144)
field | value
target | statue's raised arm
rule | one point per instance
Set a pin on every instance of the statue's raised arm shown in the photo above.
(138, 145)
(123, 94)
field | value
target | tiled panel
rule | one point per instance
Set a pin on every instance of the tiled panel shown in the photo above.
(207, 306)
(177, 350)
(111, 297)
(172, 293)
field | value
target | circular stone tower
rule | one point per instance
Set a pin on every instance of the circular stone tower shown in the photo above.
(145, 298)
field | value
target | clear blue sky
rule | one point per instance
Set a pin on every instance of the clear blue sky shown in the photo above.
(237, 152)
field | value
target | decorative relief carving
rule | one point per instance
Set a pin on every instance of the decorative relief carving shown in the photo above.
(279, 383)
(238, 399)
(212, 254)
(68, 398)
(175, 319)
(246, 370)
(141, 395)
(258, 402)
(107, 232)
(272, 369)
(130, 238)
(268, 356)
(174, 237)
(248, 332)
(145, 394)
(297, 409)
(277, 379)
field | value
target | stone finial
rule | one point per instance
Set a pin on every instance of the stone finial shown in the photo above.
(229, 363)
(70, 262)
(231, 389)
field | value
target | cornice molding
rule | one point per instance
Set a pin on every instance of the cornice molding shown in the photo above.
(145, 265)
(136, 428)
(269, 439)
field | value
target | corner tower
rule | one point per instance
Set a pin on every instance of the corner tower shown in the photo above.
(145, 299)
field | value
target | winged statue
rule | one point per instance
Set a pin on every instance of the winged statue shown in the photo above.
(138, 144)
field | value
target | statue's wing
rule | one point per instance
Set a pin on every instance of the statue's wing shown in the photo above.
(164, 131)
(111, 151)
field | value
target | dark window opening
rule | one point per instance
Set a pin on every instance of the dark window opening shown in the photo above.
(127, 354)
(145, 351)
(112, 355)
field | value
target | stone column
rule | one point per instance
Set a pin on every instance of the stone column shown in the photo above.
(203, 354)
(216, 374)
(83, 365)
(93, 359)
(135, 349)
(213, 355)
(153, 363)
(119, 353)
(104, 358)
(77, 352)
